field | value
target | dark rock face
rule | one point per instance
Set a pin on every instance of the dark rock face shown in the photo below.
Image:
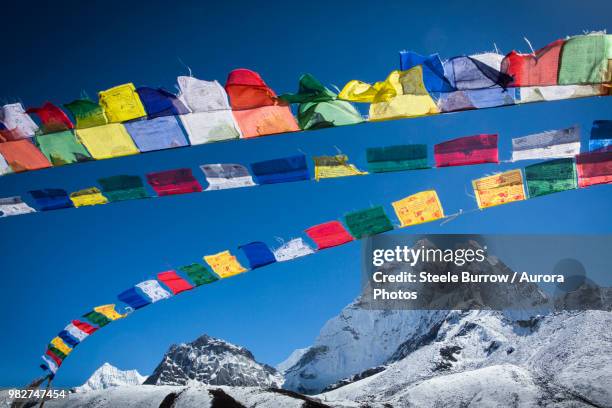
(212, 361)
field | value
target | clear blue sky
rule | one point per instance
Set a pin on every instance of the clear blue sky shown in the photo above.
(57, 265)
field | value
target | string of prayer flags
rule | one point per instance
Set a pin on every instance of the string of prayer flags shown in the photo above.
(371, 221)
(467, 150)
(174, 282)
(499, 189)
(153, 290)
(295, 248)
(170, 182)
(87, 113)
(199, 274)
(133, 298)
(585, 59)
(62, 148)
(206, 127)
(433, 71)
(224, 264)
(319, 107)
(335, 166)
(14, 206)
(468, 73)
(123, 187)
(540, 68)
(287, 169)
(53, 119)
(601, 135)
(88, 196)
(418, 208)
(397, 158)
(59, 344)
(122, 103)
(258, 254)
(22, 155)
(594, 168)
(547, 145)
(255, 106)
(17, 122)
(159, 102)
(51, 199)
(160, 133)
(226, 175)
(401, 95)
(105, 142)
(329, 234)
(550, 177)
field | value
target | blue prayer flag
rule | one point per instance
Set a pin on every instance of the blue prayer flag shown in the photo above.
(157, 134)
(159, 102)
(258, 254)
(133, 298)
(283, 170)
(51, 199)
(67, 338)
(601, 135)
(433, 71)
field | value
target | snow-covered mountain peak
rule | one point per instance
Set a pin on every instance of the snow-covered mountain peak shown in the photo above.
(107, 376)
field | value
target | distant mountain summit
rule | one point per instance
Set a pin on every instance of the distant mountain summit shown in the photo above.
(110, 376)
(212, 361)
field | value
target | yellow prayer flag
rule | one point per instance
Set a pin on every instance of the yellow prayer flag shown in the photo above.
(59, 344)
(335, 166)
(401, 95)
(109, 311)
(418, 208)
(121, 103)
(104, 142)
(224, 264)
(499, 189)
(88, 196)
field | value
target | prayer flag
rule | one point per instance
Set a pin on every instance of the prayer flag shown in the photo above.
(51, 199)
(170, 182)
(17, 122)
(547, 145)
(97, 318)
(538, 68)
(121, 103)
(82, 326)
(206, 127)
(133, 298)
(329, 234)
(174, 282)
(123, 187)
(499, 189)
(226, 175)
(397, 158)
(335, 166)
(258, 254)
(59, 344)
(62, 148)
(550, 177)
(14, 206)
(283, 170)
(68, 338)
(202, 96)
(159, 102)
(433, 71)
(585, 60)
(468, 73)
(371, 221)
(105, 142)
(153, 290)
(601, 135)
(53, 118)
(88, 196)
(22, 155)
(467, 150)
(224, 264)
(109, 312)
(418, 208)
(594, 168)
(295, 248)
(157, 134)
(87, 113)
(199, 274)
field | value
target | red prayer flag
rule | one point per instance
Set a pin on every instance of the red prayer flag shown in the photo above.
(53, 119)
(55, 358)
(329, 234)
(173, 281)
(594, 168)
(246, 90)
(84, 327)
(537, 69)
(179, 181)
(467, 150)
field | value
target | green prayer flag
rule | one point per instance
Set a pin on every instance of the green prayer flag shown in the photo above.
(397, 158)
(550, 177)
(56, 351)
(123, 187)
(62, 148)
(368, 222)
(87, 113)
(584, 60)
(97, 318)
(199, 274)
(320, 107)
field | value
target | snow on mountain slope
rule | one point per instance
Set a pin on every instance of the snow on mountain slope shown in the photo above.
(213, 361)
(290, 361)
(565, 358)
(110, 376)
